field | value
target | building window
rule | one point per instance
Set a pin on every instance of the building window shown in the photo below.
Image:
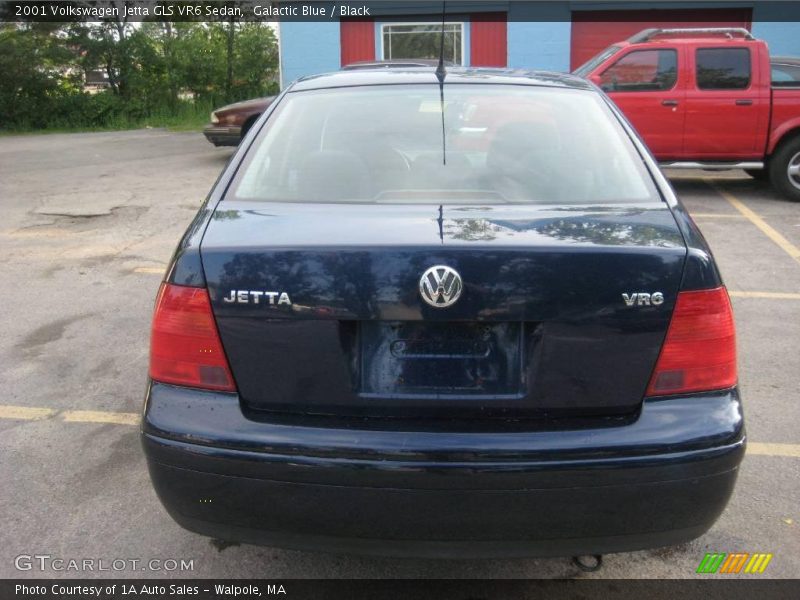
(642, 71)
(408, 41)
(723, 68)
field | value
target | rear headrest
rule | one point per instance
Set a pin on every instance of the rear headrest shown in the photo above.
(332, 175)
(524, 139)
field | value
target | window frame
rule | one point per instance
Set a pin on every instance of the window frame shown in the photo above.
(461, 24)
(639, 50)
(750, 72)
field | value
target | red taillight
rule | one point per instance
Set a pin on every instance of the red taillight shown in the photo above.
(699, 352)
(184, 345)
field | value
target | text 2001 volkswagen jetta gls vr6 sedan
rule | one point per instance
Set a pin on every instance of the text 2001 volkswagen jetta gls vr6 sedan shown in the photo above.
(480, 331)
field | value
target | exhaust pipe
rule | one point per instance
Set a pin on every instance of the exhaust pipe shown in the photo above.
(588, 562)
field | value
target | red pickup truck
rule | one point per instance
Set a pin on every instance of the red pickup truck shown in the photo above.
(705, 98)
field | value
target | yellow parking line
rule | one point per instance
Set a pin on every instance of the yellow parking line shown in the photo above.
(125, 418)
(766, 229)
(762, 449)
(715, 216)
(770, 295)
(28, 413)
(150, 270)
(96, 416)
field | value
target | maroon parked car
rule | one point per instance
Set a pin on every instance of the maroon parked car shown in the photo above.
(231, 123)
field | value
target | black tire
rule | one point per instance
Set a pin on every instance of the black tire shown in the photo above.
(758, 174)
(786, 157)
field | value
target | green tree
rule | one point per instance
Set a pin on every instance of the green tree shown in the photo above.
(108, 44)
(36, 70)
(256, 61)
(200, 59)
(156, 68)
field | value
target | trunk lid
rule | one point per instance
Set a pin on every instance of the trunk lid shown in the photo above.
(337, 325)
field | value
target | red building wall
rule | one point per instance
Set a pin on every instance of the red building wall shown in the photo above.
(488, 40)
(357, 41)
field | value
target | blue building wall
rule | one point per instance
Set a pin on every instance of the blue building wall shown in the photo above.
(539, 34)
(779, 27)
(308, 48)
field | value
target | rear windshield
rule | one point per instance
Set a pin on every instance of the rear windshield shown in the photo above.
(493, 144)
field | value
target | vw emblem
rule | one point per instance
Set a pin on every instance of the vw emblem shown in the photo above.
(440, 286)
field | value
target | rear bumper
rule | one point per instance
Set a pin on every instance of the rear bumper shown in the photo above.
(223, 136)
(541, 493)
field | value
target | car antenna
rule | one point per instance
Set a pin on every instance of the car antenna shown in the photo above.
(440, 75)
(440, 220)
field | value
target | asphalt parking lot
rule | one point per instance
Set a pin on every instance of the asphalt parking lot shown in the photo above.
(89, 222)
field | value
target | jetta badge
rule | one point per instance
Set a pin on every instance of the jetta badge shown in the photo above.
(255, 297)
(440, 286)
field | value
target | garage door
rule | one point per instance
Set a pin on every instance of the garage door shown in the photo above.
(488, 45)
(357, 40)
(594, 30)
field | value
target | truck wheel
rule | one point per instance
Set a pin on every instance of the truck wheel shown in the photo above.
(784, 169)
(758, 174)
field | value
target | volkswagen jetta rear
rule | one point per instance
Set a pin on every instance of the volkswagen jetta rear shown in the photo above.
(466, 318)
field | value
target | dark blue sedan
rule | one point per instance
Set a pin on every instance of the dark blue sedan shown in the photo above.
(444, 316)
